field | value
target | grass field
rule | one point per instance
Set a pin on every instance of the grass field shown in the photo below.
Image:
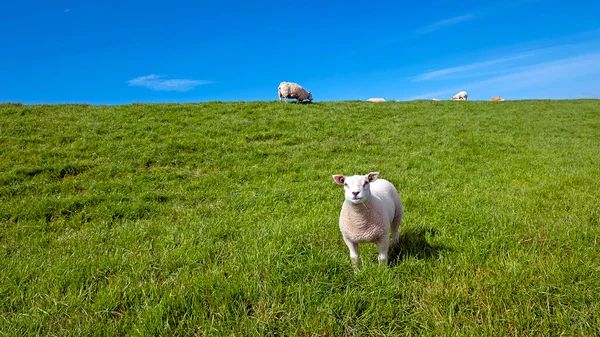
(221, 219)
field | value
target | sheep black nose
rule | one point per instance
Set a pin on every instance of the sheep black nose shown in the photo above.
(355, 193)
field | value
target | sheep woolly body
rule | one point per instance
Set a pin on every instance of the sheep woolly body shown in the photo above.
(460, 96)
(376, 99)
(293, 90)
(370, 207)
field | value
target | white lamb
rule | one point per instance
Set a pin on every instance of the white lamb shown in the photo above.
(371, 206)
(293, 90)
(461, 96)
(376, 99)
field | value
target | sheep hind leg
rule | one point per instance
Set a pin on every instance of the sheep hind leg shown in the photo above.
(395, 226)
(396, 222)
(395, 235)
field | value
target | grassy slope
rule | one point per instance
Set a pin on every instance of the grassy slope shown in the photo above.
(221, 219)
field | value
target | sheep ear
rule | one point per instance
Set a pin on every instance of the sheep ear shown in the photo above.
(371, 177)
(339, 179)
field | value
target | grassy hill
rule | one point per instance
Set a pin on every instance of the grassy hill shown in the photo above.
(221, 219)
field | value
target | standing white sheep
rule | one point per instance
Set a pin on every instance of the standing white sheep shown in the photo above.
(370, 207)
(293, 90)
(461, 96)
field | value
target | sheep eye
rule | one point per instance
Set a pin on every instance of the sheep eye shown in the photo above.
(366, 183)
(345, 184)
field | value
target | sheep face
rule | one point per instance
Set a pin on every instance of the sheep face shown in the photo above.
(310, 96)
(357, 189)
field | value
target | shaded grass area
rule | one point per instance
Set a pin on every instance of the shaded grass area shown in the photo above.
(221, 219)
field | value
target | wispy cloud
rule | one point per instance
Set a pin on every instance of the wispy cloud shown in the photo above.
(437, 94)
(546, 73)
(476, 13)
(444, 23)
(438, 74)
(533, 76)
(159, 83)
(592, 94)
(479, 13)
(67, 10)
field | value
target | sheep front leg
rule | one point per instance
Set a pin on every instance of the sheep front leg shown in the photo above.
(353, 247)
(383, 245)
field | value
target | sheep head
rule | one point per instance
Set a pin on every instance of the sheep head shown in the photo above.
(357, 189)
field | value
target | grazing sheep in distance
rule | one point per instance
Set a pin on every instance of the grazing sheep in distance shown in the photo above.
(370, 207)
(376, 99)
(461, 96)
(497, 98)
(435, 99)
(293, 90)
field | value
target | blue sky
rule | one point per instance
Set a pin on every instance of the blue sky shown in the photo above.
(114, 52)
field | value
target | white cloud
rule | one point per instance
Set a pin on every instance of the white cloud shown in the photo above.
(592, 94)
(437, 74)
(159, 83)
(531, 50)
(535, 76)
(437, 94)
(445, 23)
(547, 72)
(480, 13)
(476, 13)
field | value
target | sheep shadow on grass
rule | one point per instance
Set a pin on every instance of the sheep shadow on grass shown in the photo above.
(294, 101)
(414, 243)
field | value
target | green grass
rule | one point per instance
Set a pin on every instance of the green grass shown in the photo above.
(221, 219)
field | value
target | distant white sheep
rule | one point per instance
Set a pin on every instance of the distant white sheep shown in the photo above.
(435, 99)
(370, 207)
(293, 90)
(461, 96)
(497, 98)
(376, 99)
